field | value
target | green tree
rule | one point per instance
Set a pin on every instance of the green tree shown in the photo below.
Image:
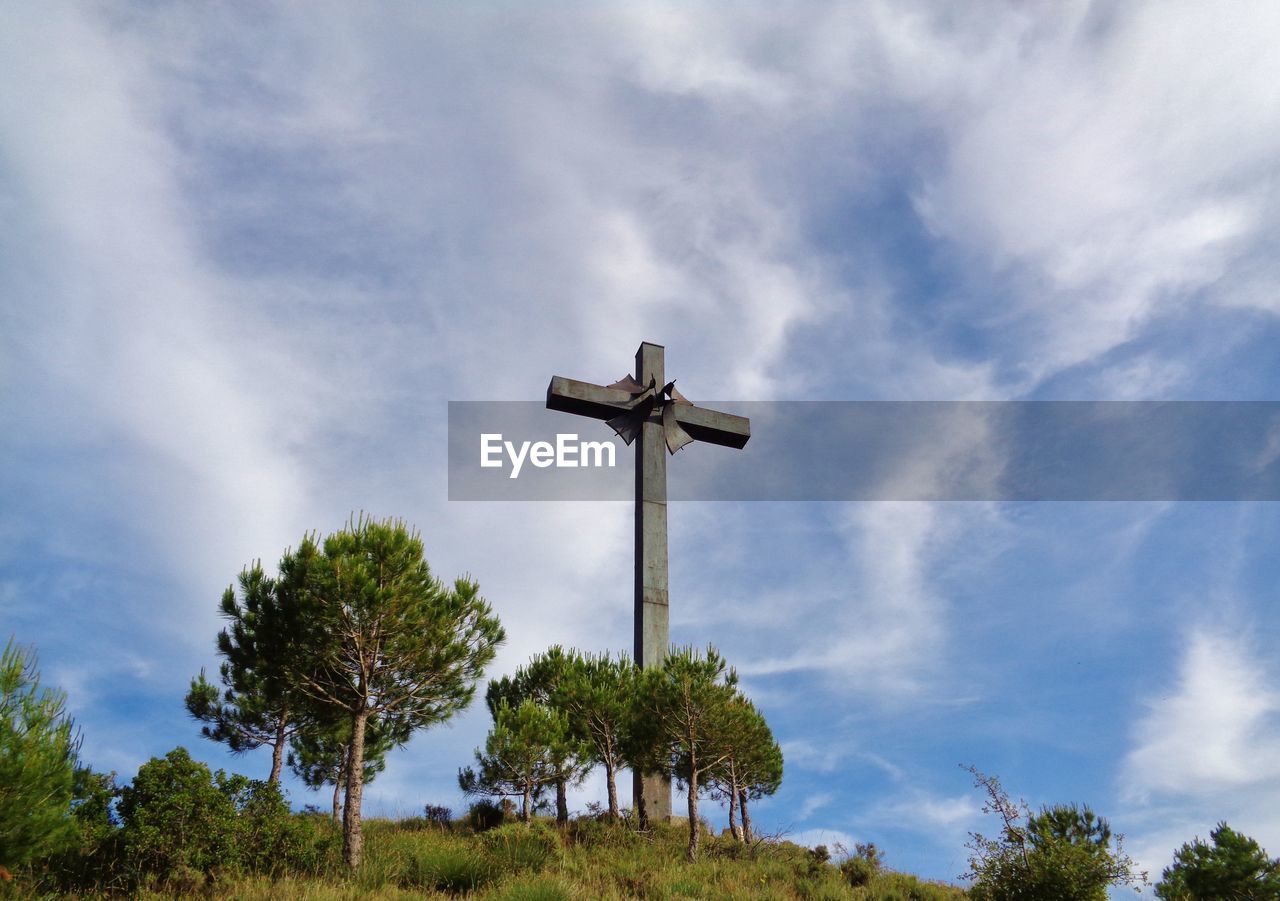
(1232, 866)
(259, 705)
(689, 702)
(1063, 853)
(379, 635)
(597, 696)
(38, 748)
(318, 755)
(753, 767)
(529, 747)
(543, 680)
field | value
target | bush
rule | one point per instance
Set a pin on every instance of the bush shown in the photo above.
(862, 866)
(486, 814)
(521, 847)
(180, 820)
(93, 862)
(438, 815)
(1062, 853)
(177, 819)
(858, 871)
(448, 867)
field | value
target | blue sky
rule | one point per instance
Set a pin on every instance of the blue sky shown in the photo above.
(249, 253)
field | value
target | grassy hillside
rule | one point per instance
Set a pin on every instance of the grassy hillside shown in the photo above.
(587, 860)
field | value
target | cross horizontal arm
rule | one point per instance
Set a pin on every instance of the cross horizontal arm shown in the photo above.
(712, 426)
(586, 399)
(600, 402)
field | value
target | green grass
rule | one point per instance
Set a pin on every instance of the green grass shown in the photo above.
(586, 860)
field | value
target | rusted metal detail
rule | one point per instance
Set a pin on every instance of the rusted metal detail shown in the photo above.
(674, 436)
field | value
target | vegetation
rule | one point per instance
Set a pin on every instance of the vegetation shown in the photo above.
(544, 681)
(318, 755)
(354, 646)
(259, 705)
(1063, 853)
(360, 630)
(1230, 866)
(688, 705)
(37, 762)
(530, 747)
(752, 767)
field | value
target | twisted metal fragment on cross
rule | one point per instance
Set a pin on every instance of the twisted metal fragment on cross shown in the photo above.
(643, 399)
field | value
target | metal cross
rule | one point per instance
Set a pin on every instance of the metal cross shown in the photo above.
(649, 408)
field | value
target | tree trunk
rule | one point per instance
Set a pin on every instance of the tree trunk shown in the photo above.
(746, 817)
(611, 780)
(562, 802)
(524, 804)
(337, 802)
(733, 814)
(277, 753)
(352, 840)
(693, 814)
(642, 812)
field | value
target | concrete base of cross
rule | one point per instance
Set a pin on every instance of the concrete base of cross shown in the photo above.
(657, 797)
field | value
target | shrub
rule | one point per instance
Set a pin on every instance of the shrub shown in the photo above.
(438, 815)
(863, 865)
(858, 871)
(521, 847)
(448, 867)
(180, 819)
(486, 814)
(1062, 853)
(177, 819)
(94, 860)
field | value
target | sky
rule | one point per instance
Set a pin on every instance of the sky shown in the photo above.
(251, 251)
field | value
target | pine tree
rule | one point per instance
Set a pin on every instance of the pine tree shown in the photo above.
(259, 705)
(689, 702)
(543, 681)
(597, 695)
(1233, 866)
(530, 747)
(38, 748)
(379, 635)
(753, 767)
(318, 755)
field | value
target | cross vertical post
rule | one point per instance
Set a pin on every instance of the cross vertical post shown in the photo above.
(652, 624)
(648, 411)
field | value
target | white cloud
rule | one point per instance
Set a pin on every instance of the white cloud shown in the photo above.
(1206, 750)
(1217, 729)
(813, 803)
(1119, 161)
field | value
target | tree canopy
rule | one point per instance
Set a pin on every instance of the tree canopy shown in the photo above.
(38, 748)
(378, 635)
(1230, 865)
(687, 702)
(259, 704)
(530, 746)
(1063, 853)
